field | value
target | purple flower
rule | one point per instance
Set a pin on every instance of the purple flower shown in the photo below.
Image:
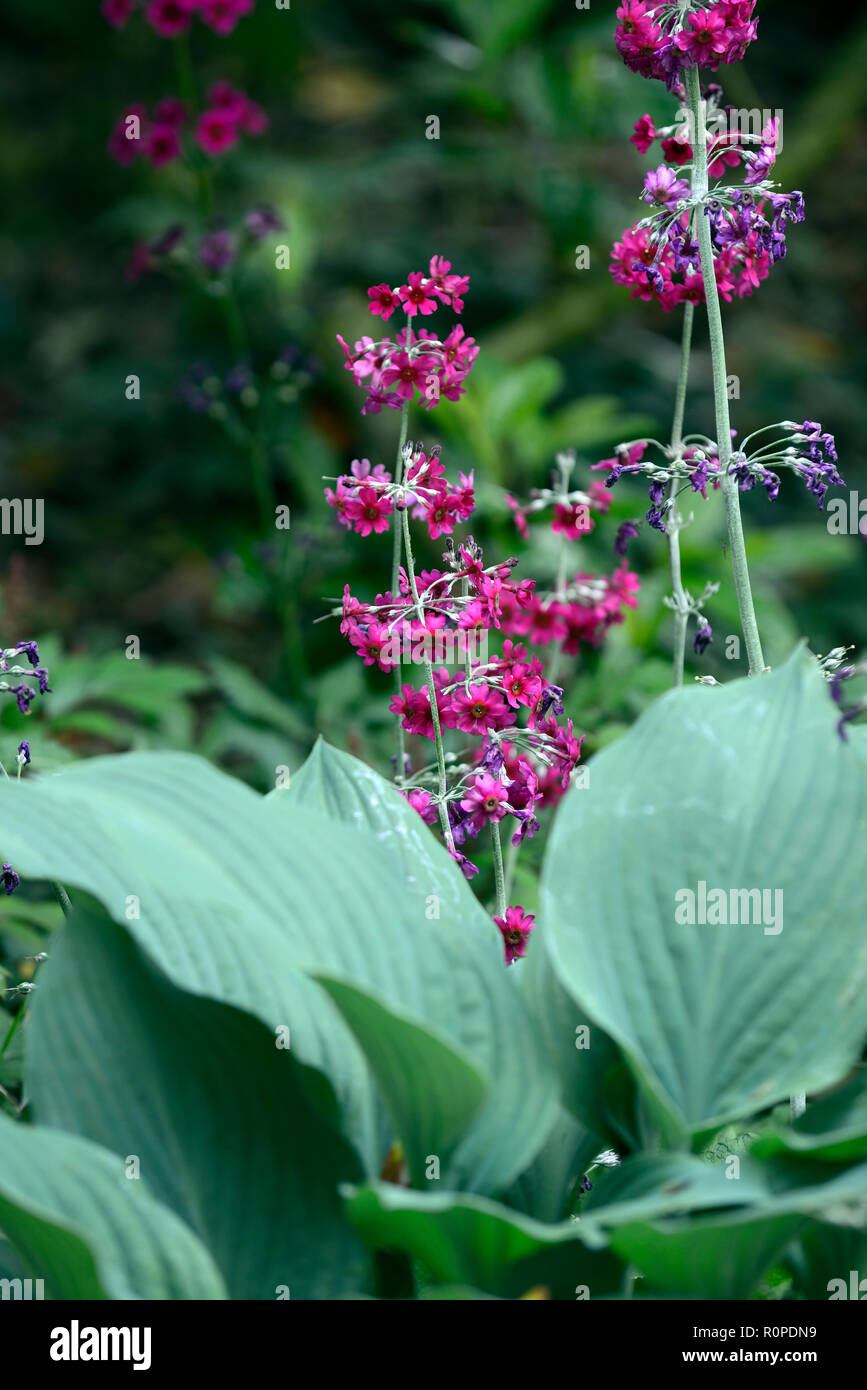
(217, 250)
(9, 880)
(262, 220)
(626, 531)
(23, 753)
(663, 188)
(703, 637)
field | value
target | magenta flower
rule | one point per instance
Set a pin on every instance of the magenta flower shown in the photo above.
(416, 295)
(117, 12)
(405, 373)
(413, 708)
(162, 145)
(422, 802)
(676, 151)
(369, 511)
(762, 162)
(487, 799)
(223, 15)
(170, 17)
(383, 300)
(479, 708)
(216, 131)
(705, 39)
(645, 134)
(515, 928)
(170, 111)
(373, 645)
(663, 188)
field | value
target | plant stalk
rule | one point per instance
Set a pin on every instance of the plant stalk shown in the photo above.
(681, 612)
(731, 496)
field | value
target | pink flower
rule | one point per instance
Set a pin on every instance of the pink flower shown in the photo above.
(162, 145)
(663, 188)
(369, 511)
(383, 300)
(572, 521)
(677, 151)
(449, 288)
(706, 37)
(124, 145)
(371, 645)
(515, 927)
(405, 373)
(117, 12)
(416, 295)
(421, 801)
(228, 99)
(479, 708)
(645, 134)
(719, 155)
(215, 131)
(169, 17)
(413, 708)
(522, 684)
(762, 162)
(223, 15)
(170, 111)
(487, 799)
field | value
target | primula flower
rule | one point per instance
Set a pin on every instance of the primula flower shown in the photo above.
(705, 37)
(9, 880)
(371, 644)
(703, 637)
(217, 250)
(162, 145)
(677, 151)
(223, 15)
(170, 17)
(663, 188)
(117, 12)
(405, 373)
(416, 295)
(383, 300)
(216, 131)
(515, 928)
(422, 802)
(645, 134)
(369, 511)
(478, 708)
(486, 800)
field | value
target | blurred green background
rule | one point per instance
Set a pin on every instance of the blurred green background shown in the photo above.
(151, 520)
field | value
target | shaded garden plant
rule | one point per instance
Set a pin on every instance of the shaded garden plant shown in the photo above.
(701, 243)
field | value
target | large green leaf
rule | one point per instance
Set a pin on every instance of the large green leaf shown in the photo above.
(474, 1241)
(219, 1117)
(479, 1009)
(77, 1222)
(740, 787)
(834, 1128)
(245, 899)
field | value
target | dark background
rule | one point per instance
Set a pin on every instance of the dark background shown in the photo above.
(151, 521)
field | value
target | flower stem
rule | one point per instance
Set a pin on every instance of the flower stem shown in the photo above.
(400, 770)
(499, 878)
(681, 612)
(434, 712)
(749, 626)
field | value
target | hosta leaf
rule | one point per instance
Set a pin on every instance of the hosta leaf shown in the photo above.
(219, 1117)
(75, 1221)
(834, 1128)
(431, 1090)
(477, 1007)
(741, 787)
(472, 1240)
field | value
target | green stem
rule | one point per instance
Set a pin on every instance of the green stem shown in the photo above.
(400, 770)
(499, 878)
(511, 865)
(681, 612)
(740, 569)
(434, 712)
(11, 1034)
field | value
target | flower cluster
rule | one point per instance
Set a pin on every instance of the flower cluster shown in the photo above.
(391, 370)
(159, 135)
(170, 18)
(659, 38)
(583, 607)
(366, 497)
(24, 694)
(658, 257)
(215, 252)
(806, 449)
